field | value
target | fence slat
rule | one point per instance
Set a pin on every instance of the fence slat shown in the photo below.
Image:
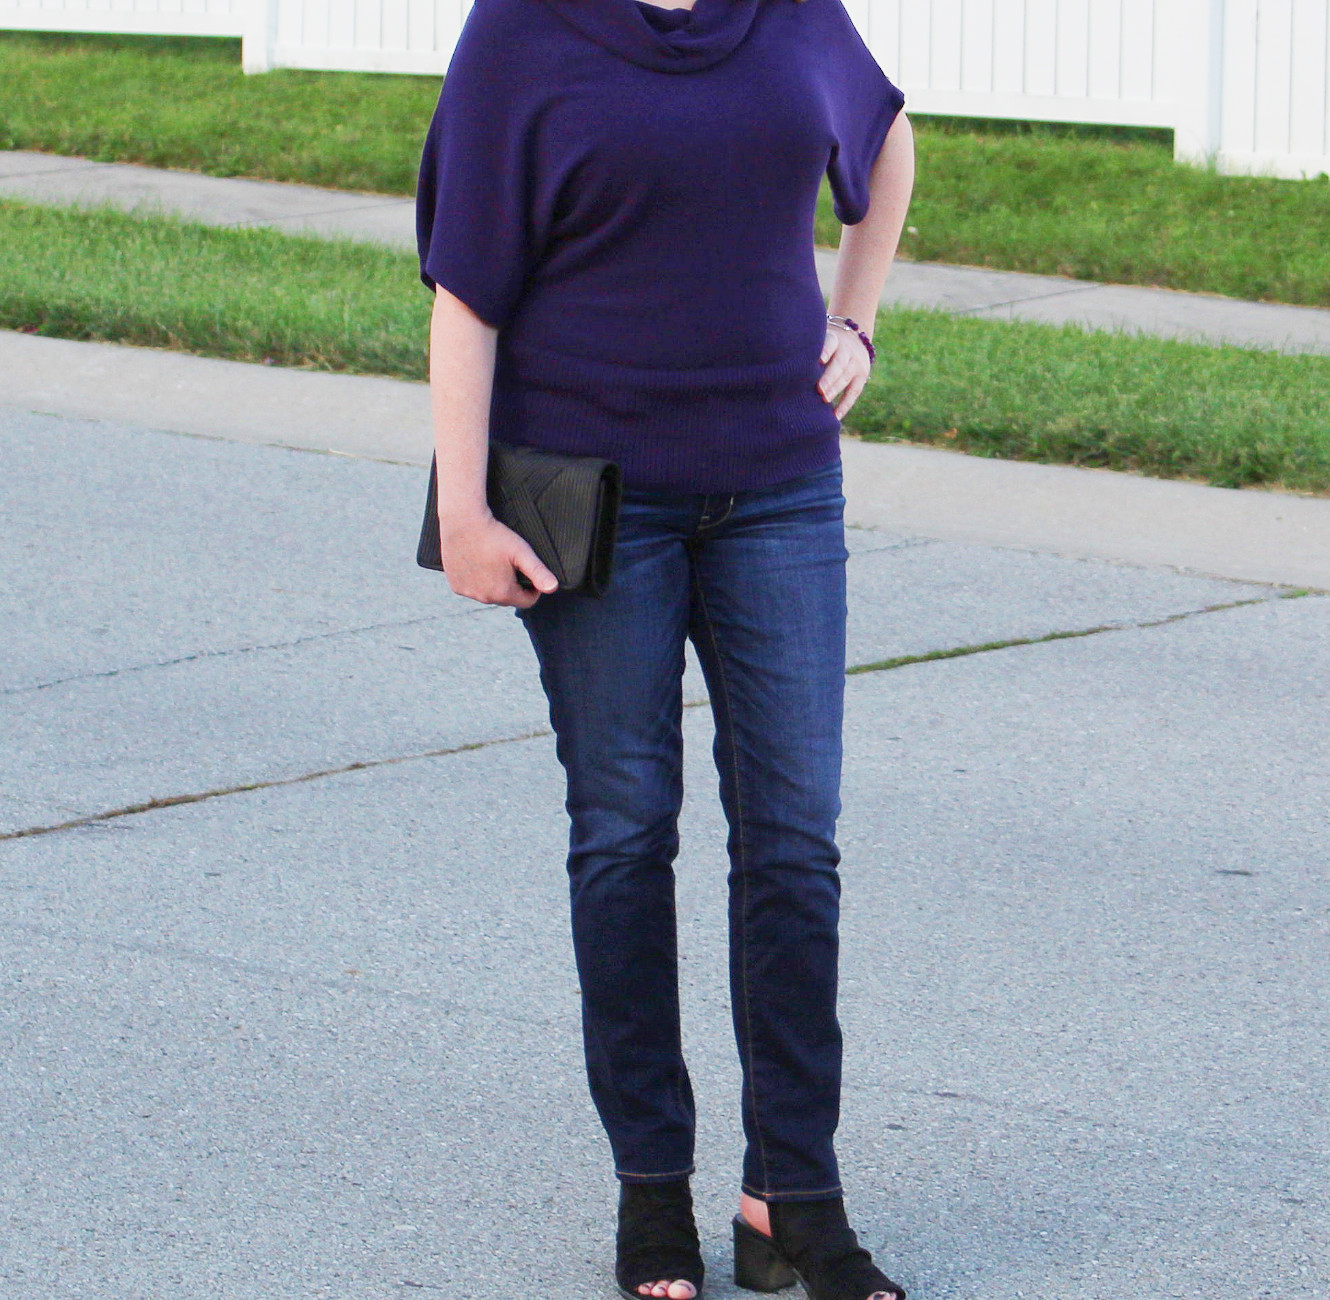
(1041, 47)
(1274, 58)
(1104, 76)
(916, 52)
(1072, 69)
(1309, 130)
(1008, 47)
(977, 47)
(1237, 126)
(944, 44)
(420, 26)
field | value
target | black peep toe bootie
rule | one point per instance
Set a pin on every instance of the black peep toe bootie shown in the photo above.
(657, 1237)
(811, 1242)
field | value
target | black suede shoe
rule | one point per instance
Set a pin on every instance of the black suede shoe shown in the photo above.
(813, 1243)
(657, 1237)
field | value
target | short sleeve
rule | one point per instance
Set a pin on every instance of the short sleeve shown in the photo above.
(864, 104)
(474, 231)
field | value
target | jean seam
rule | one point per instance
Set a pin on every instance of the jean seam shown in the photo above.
(743, 871)
(797, 1191)
(678, 1020)
(673, 1173)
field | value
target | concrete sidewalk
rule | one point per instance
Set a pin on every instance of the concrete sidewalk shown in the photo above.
(1093, 514)
(1001, 295)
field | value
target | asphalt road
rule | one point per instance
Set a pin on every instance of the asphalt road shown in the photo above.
(314, 1032)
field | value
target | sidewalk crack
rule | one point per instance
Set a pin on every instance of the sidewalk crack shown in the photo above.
(202, 796)
(231, 650)
(1017, 302)
(87, 164)
(277, 222)
(1071, 634)
(881, 665)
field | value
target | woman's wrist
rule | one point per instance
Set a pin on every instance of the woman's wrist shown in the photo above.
(463, 514)
(463, 504)
(853, 327)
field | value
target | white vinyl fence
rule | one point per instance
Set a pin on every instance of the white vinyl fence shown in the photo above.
(154, 17)
(1243, 82)
(1041, 60)
(355, 35)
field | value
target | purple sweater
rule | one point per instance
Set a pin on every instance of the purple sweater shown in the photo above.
(627, 193)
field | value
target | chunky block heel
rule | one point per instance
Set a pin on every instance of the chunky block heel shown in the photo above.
(758, 1265)
(811, 1243)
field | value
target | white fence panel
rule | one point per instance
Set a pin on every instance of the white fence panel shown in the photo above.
(155, 17)
(1260, 102)
(358, 35)
(1047, 60)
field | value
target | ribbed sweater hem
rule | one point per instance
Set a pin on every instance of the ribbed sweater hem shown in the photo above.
(699, 429)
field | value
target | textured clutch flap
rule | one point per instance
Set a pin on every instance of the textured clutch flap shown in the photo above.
(566, 507)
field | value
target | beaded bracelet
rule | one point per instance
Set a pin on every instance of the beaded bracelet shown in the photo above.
(845, 323)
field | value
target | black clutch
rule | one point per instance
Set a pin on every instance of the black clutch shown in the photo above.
(565, 507)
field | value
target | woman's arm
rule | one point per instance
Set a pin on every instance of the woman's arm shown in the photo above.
(866, 253)
(480, 555)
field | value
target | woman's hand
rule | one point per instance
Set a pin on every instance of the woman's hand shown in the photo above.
(481, 558)
(847, 364)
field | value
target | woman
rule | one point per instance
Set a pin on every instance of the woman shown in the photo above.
(615, 210)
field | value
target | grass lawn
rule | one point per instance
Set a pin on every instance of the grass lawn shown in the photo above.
(252, 295)
(183, 102)
(1101, 203)
(1025, 392)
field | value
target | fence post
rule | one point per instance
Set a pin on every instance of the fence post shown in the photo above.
(1199, 69)
(256, 46)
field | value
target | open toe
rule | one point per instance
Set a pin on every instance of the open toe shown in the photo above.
(657, 1246)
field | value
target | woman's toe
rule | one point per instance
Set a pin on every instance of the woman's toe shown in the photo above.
(665, 1290)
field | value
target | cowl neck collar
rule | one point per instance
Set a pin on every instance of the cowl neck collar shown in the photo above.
(714, 28)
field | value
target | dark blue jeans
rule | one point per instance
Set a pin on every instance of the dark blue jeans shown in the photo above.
(756, 579)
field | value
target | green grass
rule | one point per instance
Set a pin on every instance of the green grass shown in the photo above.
(1027, 392)
(250, 295)
(1225, 415)
(1101, 203)
(1114, 206)
(183, 102)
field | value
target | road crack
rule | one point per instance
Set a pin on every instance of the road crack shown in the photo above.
(199, 655)
(881, 665)
(202, 796)
(985, 647)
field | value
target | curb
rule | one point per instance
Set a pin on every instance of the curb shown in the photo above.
(1249, 535)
